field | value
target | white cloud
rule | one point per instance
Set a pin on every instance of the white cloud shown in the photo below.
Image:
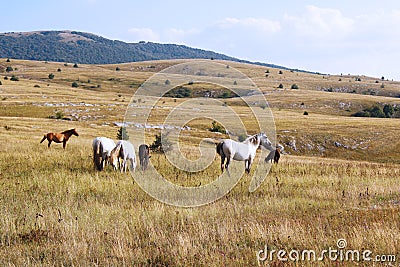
(321, 22)
(178, 35)
(259, 24)
(144, 34)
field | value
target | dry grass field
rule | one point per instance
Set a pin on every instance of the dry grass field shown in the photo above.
(339, 180)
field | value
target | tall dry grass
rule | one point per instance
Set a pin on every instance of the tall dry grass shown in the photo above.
(56, 210)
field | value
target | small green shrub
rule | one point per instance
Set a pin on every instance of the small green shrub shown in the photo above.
(216, 127)
(242, 137)
(59, 115)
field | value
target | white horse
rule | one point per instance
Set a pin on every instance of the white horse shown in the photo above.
(102, 147)
(242, 151)
(125, 151)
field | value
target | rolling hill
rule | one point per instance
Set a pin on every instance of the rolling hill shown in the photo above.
(88, 48)
(340, 178)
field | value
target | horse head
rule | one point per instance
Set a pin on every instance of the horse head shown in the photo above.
(265, 142)
(74, 132)
(113, 160)
(113, 157)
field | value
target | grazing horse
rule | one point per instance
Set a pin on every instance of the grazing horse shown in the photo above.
(125, 151)
(102, 147)
(144, 152)
(59, 137)
(242, 151)
(275, 154)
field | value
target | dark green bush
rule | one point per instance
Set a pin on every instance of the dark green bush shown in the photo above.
(216, 127)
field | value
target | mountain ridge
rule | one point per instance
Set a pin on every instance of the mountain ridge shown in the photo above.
(89, 48)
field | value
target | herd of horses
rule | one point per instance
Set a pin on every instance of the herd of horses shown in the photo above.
(121, 155)
(118, 155)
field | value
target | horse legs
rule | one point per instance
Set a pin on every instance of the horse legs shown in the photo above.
(103, 162)
(247, 165)
(133, 167)
(228, 161)
(123, 163)
(64, 143)
(222, 162)
(44, 138)
(48, 145)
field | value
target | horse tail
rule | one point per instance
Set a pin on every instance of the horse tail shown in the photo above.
(220, 151)
(97, 154)
(44, 138)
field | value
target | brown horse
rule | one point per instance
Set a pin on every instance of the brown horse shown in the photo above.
(59, 137)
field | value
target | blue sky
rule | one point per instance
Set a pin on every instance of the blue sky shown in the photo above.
(357, 37)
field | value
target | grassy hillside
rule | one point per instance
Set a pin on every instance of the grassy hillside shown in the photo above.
(327, 130)
(339, 180)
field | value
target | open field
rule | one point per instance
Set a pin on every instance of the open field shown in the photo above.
(340, 179)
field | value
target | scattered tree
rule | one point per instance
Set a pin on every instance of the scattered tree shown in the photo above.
(122, 134)
(75, 65)
(75, 85)
(294, 86)
(9, 68)
(388, 110)
(375, 111)
(280, 86)
(51, 76)
(161, 144)
(14, 78)
(117, 69)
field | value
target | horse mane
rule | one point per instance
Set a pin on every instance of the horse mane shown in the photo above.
(116, 150)
(252, 139)
(68, 131)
